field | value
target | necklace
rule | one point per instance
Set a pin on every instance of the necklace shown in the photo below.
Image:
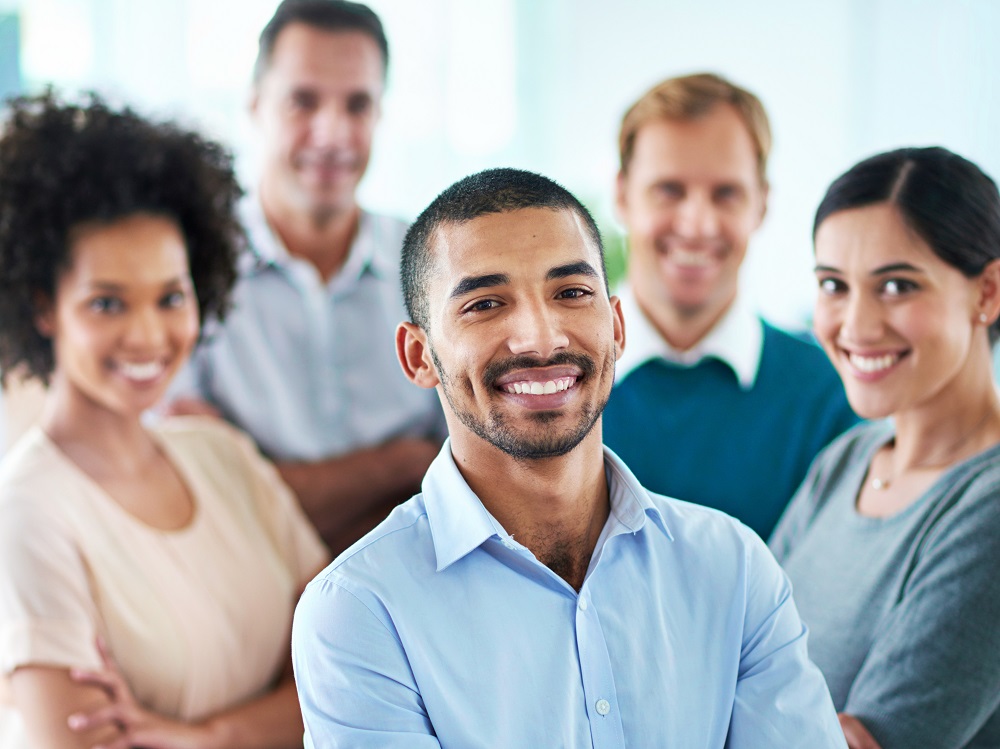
(881, 483)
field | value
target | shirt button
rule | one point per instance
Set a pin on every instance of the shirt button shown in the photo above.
(603, 707)
(508, 543)
(582, 604)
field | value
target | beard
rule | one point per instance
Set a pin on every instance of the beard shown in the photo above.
(526, 444)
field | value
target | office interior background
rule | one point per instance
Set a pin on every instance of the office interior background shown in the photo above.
(542, 84)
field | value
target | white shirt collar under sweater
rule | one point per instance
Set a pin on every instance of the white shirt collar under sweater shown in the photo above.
(736, 340)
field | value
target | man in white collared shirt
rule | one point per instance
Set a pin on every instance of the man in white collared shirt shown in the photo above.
(306, 360)
(711, 404)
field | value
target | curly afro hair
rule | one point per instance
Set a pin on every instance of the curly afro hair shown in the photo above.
(62, 165)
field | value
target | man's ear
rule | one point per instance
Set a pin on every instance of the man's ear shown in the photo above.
(619, 322)
(765, 191)
(414, 353)
(620, 202)
(253, 100)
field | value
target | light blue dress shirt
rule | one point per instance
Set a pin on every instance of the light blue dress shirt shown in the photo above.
(309, 368)
(438, 629)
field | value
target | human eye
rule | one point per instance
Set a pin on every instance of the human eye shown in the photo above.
(896, 287)
(831, 286)
(727, 194)
(575, 292)
(669, 190)
(303, 101)
(359, 104)
(173, 300)
(481, 305)
(105, 305)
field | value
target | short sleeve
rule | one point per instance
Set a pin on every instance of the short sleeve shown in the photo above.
(932, 676)
(293, 535)
(47, 612)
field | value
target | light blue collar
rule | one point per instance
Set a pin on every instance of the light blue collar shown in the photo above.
(460, 523)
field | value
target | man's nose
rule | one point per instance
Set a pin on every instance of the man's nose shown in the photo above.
(536, 329)
(330, 126)
(697, 217)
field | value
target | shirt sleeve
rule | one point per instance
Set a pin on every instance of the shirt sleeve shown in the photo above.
(354, 681)
(781, 697)
(47, 612)
(294, 536)
(932, 676)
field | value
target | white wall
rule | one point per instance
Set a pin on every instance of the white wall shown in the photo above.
(542, 84)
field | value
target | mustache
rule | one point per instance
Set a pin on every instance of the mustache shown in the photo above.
(499, 368)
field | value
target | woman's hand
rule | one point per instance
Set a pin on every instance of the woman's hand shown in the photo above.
(139, 727)
(856, 734)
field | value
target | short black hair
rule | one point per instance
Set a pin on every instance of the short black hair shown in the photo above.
(63, 165)
(329, 15)
(950, 203)
(489, 191)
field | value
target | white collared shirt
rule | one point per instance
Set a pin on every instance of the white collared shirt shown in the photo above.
(736, 339)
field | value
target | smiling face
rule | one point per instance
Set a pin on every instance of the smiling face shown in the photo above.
(898, 323)
(125, 316)
(522, 338)
(690, 199)
(316, 106)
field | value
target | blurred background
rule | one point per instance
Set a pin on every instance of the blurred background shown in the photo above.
(542, 84)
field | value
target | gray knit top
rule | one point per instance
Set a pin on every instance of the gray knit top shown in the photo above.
(903, 611)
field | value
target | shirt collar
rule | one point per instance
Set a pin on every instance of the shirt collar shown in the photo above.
(736, 340)
(368, 252)
(460, 523)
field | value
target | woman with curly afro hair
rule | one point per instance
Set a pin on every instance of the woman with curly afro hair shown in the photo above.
(147, 573)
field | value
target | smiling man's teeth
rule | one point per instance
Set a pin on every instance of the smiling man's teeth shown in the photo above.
(540, 388)
(873, 363)
(692, 259)
(146, 371)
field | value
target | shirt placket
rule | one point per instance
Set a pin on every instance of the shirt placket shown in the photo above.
(598, 677)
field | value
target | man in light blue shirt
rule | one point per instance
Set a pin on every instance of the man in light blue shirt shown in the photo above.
(535, 595)
(305, 361)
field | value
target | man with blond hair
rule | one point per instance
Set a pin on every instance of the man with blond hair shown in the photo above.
(711, 403)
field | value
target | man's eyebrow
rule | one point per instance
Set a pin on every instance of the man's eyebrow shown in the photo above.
(471, 283)
(581, 268)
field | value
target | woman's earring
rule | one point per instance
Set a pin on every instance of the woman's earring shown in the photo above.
(983, 318)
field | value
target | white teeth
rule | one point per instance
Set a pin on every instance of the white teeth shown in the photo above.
(870, 364)
(690, 259)
(146, 371)
(541, 388)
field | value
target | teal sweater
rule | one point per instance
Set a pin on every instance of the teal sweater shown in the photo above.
(695, 434)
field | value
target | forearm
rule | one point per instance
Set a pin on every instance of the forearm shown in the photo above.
(269, 722)
(339, 492)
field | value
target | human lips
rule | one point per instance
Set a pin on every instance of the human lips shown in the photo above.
(693, 256)
(141, 372)
(872, 365)
(537, 387)
(328, 163)
(542, 382)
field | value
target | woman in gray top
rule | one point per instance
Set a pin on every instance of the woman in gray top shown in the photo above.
(893, 541)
